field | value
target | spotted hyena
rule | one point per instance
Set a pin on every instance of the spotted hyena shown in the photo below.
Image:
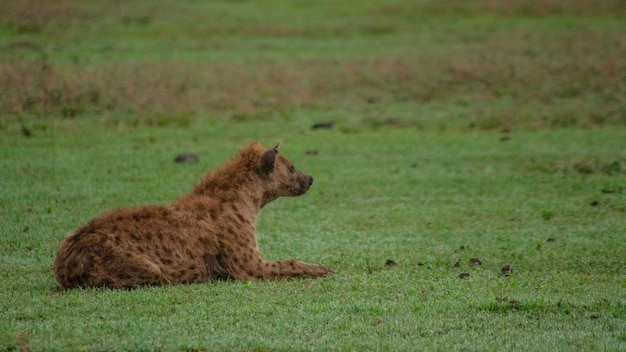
(208, 234)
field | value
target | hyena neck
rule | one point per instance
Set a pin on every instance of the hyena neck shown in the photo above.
(237, 181)
(267, 198)
(247, 194)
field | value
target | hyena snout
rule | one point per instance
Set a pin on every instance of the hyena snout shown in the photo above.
(304, 184)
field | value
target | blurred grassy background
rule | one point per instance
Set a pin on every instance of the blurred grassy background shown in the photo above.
(480, 64)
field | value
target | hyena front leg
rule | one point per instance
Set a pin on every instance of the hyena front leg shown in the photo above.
(278, 269)
(251, 267)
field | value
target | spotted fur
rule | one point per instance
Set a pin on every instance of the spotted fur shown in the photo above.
(206, 235)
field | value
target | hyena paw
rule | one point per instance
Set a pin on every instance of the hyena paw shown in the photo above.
(320, 270)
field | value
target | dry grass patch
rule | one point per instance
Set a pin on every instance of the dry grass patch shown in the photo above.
(526, 79)
(542, 67)
(506, 8)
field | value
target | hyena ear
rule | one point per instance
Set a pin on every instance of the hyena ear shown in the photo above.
(268, 161)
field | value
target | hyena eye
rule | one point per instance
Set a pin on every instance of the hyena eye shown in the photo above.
(291, 169)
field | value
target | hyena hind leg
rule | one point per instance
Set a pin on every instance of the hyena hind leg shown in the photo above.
(128, 272)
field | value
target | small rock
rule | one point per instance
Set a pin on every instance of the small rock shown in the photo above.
(187, 158)
(390, 262)
(507, 270)
(608, 190)
(595, 203)
(322, 126)
(475, 261)
(26, 132)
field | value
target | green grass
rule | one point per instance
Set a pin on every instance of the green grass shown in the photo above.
(462, 130)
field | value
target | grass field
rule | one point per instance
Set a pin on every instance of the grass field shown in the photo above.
(470, 191)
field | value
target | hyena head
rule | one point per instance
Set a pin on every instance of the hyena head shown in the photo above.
(280, 178)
